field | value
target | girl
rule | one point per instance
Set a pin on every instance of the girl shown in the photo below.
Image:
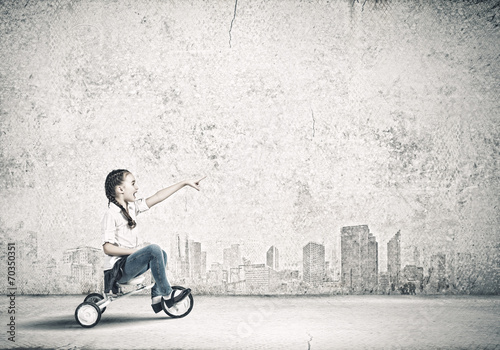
(124, 260)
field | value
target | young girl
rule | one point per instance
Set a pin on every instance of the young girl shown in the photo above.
(124, 260)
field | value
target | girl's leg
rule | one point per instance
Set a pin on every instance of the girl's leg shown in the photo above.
(150, 257)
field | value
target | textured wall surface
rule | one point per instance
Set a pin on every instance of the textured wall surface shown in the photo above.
(306, 116)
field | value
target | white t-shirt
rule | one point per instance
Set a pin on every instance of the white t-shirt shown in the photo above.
(115, 229)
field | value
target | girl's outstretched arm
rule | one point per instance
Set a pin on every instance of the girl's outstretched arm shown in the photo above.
(163, 194)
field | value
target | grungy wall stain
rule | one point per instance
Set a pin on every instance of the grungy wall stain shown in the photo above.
(306, 116)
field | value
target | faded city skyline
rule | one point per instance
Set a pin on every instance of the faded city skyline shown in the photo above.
(355, 269)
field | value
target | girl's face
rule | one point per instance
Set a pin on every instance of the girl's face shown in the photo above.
(128, 188)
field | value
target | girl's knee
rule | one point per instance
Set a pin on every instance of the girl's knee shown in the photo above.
(155, 249)
(156, 252)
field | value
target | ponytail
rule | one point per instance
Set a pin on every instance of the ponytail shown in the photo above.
(115, 178)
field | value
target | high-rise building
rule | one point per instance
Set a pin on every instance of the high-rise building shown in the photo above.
(175, 257)
(394, 259)
(359, 259)
(335, 264)
(195, 259)
(272, 258)
(203, 263)
(185, 262)
(314, 263)
(372, 262)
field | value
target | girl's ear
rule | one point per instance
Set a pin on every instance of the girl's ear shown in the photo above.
(119, 189)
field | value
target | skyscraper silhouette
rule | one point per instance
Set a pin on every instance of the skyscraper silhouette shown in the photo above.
(203, 267)
(195, 259)
(186, 271)
(394, 259)
(359, 260)
(175, 257)
(272, 258)
(314, 263)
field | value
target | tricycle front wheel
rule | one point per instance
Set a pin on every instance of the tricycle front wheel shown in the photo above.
(182, 308)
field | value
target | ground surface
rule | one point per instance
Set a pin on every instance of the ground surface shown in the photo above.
(238, 322)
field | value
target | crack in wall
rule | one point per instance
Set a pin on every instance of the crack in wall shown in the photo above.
(362, 6)
(309, 341)
(232, 21)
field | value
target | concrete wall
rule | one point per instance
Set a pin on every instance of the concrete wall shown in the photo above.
(306, 116)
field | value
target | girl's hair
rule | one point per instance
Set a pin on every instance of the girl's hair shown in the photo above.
(115, 178)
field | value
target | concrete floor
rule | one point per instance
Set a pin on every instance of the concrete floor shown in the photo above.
(240, 322)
